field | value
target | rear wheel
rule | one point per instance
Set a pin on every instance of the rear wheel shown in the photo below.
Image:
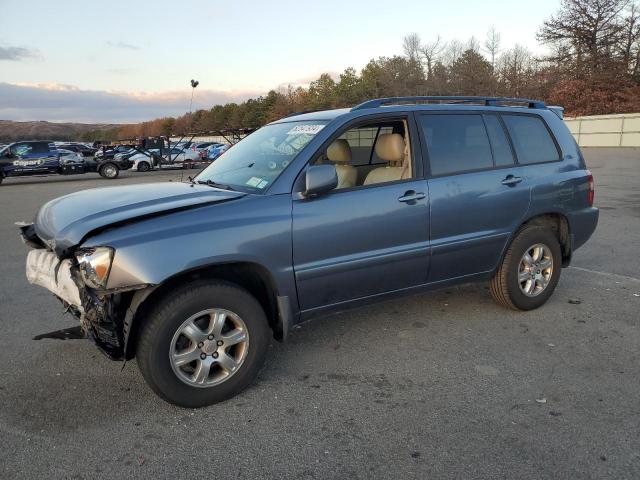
(203, 344)
(529, 271)
(144, 167)
(109, 170)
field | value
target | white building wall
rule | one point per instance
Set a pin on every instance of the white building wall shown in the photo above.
(621, 130)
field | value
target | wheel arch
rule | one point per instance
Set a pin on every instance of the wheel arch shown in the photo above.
(253, 277)
(558, 223)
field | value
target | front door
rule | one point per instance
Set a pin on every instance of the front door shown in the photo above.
(371, 234)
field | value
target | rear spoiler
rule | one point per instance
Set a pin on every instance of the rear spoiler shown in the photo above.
(559, 111)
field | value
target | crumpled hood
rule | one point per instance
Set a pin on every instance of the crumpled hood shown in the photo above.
(64, 222)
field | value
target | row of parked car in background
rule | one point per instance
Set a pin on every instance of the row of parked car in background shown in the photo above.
(29, 158)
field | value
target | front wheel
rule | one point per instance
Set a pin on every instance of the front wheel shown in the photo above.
(530, 269)
(109, 171)
(203, 343)
(144, 167)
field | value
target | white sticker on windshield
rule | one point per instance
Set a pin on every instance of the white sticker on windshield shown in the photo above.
(262, 184)
(305, 129)
(254, 181)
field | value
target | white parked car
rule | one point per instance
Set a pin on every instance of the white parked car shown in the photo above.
(67, 156)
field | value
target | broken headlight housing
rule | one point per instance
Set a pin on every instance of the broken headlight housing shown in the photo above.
(95, 265)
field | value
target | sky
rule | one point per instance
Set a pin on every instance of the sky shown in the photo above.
(127, 61)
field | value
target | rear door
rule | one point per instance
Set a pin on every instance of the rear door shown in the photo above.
(477, 191)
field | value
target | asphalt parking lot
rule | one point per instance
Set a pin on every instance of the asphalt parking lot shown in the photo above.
(442, 385)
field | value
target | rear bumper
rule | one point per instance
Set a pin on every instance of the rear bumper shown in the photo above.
(582, 224)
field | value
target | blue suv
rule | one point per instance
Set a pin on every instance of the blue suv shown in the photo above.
(311, 214)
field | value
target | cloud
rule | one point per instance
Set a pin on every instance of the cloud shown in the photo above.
(121, 71)
(17, 53)
(59, 102)
(123, 45)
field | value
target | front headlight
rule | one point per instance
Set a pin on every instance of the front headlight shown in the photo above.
(95, 265)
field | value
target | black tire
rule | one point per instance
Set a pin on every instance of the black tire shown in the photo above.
(166, 318)
(109, 171)
(505, 287)
(144, 167)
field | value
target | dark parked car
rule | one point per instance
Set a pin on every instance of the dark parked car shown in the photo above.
(36, 158)
(312, 214)
(108, 165)
(106, 153)
(81, 148)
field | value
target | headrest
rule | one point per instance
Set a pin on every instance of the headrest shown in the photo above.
(390, 147)
(339, 151)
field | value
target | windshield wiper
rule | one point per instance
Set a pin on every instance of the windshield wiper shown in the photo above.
(211, 183)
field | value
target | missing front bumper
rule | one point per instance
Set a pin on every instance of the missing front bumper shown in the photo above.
(100, 315)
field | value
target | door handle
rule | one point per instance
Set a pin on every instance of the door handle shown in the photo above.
(411, 196)
(511, 180)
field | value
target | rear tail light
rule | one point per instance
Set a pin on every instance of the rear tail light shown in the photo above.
(591, 192)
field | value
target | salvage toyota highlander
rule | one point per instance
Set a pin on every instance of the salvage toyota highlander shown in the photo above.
(312, 214)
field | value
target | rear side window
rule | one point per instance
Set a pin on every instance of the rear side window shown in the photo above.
(502, 154)
(531, 139)
(40, 147)
(456, 143)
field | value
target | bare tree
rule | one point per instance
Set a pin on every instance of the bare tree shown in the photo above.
(431, 52)
(453, 52)
(492, 44)
(516, 69)
(412, 47)
(630, 45)
(585, 34)
(473, 45)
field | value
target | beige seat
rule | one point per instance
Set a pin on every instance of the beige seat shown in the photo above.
(391, 148)
(339, 152)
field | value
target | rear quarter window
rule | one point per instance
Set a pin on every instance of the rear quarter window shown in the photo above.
(502, 154)
(531, 139)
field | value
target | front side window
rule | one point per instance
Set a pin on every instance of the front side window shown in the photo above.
(374, 153)
(21, 149)
(531, 139)
(456, 143)
(253, 164)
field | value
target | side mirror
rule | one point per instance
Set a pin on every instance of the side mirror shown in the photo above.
(320, 179)
(8, 154)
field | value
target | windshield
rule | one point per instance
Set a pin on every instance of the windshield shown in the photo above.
(257, 161)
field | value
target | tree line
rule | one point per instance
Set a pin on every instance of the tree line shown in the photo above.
(593, 67)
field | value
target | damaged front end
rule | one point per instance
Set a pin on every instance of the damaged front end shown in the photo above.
(104, 315)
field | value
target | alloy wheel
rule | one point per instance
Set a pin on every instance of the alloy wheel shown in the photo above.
(209, 347)
(535, 270)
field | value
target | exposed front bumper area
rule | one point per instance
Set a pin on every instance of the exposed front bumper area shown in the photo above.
(100, 314)
(45, 269)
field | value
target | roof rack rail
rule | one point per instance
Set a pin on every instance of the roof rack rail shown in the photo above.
(486, 101)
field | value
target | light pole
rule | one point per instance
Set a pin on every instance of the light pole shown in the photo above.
(194, 84)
